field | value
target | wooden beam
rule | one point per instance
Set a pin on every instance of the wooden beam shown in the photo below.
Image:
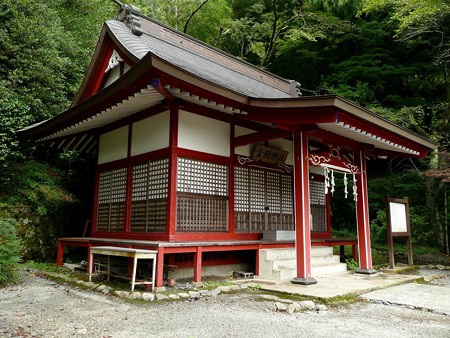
(260, 136)
(293, 116)
(326, 137)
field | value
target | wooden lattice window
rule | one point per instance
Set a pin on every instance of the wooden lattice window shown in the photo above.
(199, 177)
(319, 210)
(287, 203)
(149, 196)
(111, 200)
(263, 200)
(202, 196)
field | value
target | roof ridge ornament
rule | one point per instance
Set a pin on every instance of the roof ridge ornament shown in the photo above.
(114, 61)
(129, 15)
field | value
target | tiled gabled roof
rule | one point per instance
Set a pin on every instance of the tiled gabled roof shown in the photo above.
(202, 60)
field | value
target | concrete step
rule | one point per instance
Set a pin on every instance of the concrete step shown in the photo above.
(325, 260)
(315, 261)
(277, 254)
(319, 251)
(289, 253)
(281, 264)
(329, 270)
(282, 275)
(316, 271)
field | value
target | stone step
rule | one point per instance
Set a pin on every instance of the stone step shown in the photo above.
(281, 264)
(315, 261)
(329, 270)
(289, 253)
(316, 271)
(325, 260)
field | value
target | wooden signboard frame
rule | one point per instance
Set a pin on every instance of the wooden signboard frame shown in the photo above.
(398, 225)
(269, 155)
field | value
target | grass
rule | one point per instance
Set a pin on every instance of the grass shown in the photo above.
(422, 255)
(51, 268)
(211, 285)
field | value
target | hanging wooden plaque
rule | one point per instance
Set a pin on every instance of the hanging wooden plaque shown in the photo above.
(269, 155)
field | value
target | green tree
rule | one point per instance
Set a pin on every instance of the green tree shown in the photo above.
(9, 251)
(45, 48)
(209, 18)
(42, 61)
(429, 20)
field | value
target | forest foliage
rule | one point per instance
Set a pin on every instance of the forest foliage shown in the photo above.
(391, 56)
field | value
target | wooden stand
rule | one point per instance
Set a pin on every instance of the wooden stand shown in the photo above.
(124, 252)
(397, 217)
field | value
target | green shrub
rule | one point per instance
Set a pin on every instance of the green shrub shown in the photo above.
(38, 198)
(10, 248)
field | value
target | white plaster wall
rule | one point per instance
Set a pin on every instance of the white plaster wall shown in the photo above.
(314, 169)
(113, 145)
(244, 150)
(284, 145)
(211, 270)
(150, 134)
(203, 134)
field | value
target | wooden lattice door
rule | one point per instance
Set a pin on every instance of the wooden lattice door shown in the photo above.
(202, 196)
(319, 201)
(149, 196)
(263, 200)
(111, 200)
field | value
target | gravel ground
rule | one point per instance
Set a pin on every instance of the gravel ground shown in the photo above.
(38, 307)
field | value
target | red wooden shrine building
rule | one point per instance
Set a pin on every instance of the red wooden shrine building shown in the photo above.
(208, 159)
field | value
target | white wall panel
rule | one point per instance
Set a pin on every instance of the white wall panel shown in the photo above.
(203, 134)
(244, 150)
(113, 145)
(151, 134)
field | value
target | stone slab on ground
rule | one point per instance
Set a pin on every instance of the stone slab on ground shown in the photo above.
(431, 297)
(333, 286)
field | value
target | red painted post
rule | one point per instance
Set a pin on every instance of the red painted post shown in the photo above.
(160, 267)
(354, 253)
(302, 210)
(362, 217)
(173, 168)
(231, 224)
(198, 265)
(257, 259)
(60, 254)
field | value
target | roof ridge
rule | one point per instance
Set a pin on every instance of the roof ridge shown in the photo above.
(130, 16)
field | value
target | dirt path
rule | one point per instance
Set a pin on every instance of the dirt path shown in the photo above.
(41, 308)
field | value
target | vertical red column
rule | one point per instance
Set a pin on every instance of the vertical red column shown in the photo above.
(302, 210)
(362, 217)
(231, 225)
(60, 254)
(159, 280)
(172, 182)
(198, 265)
(129, 186)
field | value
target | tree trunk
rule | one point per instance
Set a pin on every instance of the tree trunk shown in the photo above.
(434, 188)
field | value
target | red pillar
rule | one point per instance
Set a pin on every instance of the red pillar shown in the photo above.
(160, 267)
(172, 182)
(60, 254)
(231, 224)
(198, 264)
(302, 210)
(362, 217)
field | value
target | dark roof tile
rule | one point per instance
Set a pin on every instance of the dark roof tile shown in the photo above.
(200, 59)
